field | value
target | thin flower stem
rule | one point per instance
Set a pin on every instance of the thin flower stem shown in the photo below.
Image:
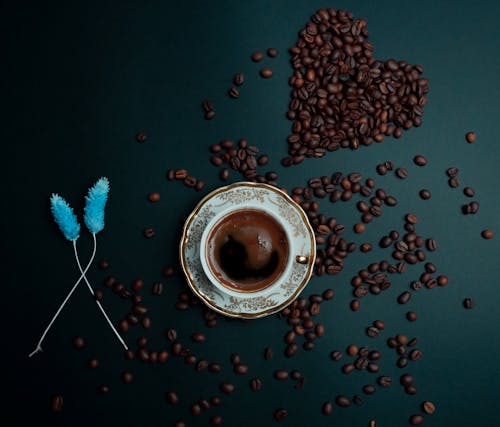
(92, 291)
(39, 345)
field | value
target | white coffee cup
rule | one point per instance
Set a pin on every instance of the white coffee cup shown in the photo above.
(291, 259)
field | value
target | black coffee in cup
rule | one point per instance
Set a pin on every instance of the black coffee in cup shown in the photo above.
(247, 250)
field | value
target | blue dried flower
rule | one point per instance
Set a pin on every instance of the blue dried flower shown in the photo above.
(95, 202)
(64, 217)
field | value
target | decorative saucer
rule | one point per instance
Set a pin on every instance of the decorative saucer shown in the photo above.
(272, 299)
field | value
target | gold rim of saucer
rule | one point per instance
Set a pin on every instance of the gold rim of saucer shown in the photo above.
(207, 301)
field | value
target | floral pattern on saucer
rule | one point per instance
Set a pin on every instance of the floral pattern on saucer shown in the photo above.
(246, 305)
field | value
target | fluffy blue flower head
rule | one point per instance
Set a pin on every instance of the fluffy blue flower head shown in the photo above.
(95, 202)
(64, 217)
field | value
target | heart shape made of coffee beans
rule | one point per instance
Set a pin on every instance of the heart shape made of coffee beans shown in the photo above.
(342, 96)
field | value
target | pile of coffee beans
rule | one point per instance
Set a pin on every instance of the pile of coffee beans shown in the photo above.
(342, 97)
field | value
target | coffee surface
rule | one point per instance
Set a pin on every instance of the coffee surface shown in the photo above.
(247, 250)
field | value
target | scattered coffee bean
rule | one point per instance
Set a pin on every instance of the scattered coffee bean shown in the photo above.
(352, 350)
(272, 52)
(157, 288)
(78, 343)
(327, 408)
(141, 137)
(127, 377)
(234, 93)
(226, 387)
(401, 173)
(154, 197)
(468, 303)
(103, 389)
(454, 182)
(452, 172)
(103, 264)
(425, 194)
(470, 137)
(268, 353)
(343, 401)
(420, 160)
(280, 414)
(428, 407)
(56, 403)
(93, 363)
(384, 381)
(172, 398)
(416, 420)
(216, 420)
(281, 374)
(369, 389)
(198, 337)
(148, 233)
(487, 234)
(336, 355)
(372, 331)
(240, 369)
(266, 73)
(238, 79)
(195, 410)
(255, 384)
(469, 192)
(257, 56)
(411, 316)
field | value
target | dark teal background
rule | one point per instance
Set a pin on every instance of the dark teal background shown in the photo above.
(79, 79)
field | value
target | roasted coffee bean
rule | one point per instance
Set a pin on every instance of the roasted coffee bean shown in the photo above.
(281, 374)
(180, 424)
(348, 368)
(431, 244)
(454, 182)
(359, 228)
(411, 316)
(470, 137)
(352, 350)
(291, 350)
(224, 174)
(327, 408)
(56, 403)
(420, 160)
(148, 233)
(163, 356)
(226, 387)
(280, 414)
(195, 410)
(372, 332)
(406, 379)
(172, 398)
(202, 365)
(355, 305)
(468, 303)
(442, 280)
(93, 363)
(381, 169)
(416, 420)
(401, 173)
(384, 381)
(425, 194)
(240, 369)
(141, 137)
(266, 73)
(368, 389)
(234, 92)
(469, 192)
(428, 407)
(216, 420)
(157, 288)
(255, 384)
(343, 401)
(365, 247)
(238, 79)
(379, 324)
(215, 400)
(171, 334)
(452, 172)
(268, 353)
(404, 297)
(78, 343)
(127, 377)
(415, 354)
(487, 234)
(336, 355)
(357, 400)
(257, 56)
(154, 197)
(215, 368)
(198, 337)
(272, 52)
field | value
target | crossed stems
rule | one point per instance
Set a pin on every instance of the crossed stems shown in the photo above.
(82, 276)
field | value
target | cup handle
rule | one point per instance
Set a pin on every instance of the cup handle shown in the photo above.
(302, 259)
